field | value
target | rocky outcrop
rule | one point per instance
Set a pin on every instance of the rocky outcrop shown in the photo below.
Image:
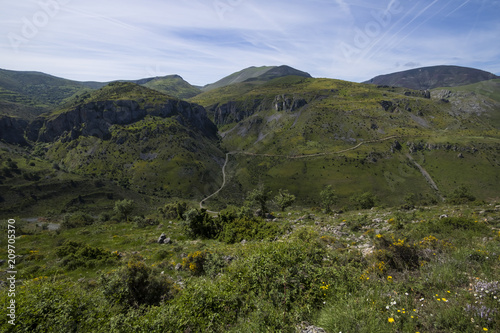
(95, 119)
(233, 112)
(12, 130)
(418, 93)
(287, 103)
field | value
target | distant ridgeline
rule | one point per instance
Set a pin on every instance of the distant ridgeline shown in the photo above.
(389, 136)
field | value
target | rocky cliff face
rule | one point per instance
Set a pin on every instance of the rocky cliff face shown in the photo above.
(12, 130)
(95, 119)
(232, 111)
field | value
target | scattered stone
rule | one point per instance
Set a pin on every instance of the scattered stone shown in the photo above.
(228, 258)
(162, 238)
(305, 327)
(178, 267)
(243, 242)
(460, 155)
(443, 216)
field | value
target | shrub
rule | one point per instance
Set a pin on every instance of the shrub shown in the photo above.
(194, 262)
(259, 196)
(461, 195)
(45, 305)
(77, 254)
(284, 199)
(199, 224)
(136, 284)
(236, 230)
(396, 254)
(328, 198)
(143, 222)
(366, 200)
(174, 210)
(449, 224)
(123, 208)
(76, 220)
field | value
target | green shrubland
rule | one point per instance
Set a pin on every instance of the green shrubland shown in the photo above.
(427, 269)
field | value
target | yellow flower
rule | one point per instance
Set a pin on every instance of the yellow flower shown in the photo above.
(389, 277)
(485, 329)
(391, 320)
(444, 299)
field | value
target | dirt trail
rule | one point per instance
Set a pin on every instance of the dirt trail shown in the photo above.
(223, 183)
(428, 177)
(285, 156)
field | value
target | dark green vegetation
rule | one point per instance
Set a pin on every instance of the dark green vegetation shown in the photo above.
(364, 271)
(433, 77)
(354, 207)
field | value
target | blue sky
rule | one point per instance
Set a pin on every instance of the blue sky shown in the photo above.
(205, 40)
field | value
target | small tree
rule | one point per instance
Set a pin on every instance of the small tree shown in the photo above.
(365, 201)
(461, 195)
(259, 196)
(123, 208)
(284, 199)
(328, 198)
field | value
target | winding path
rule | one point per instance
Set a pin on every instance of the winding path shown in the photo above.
(223, 182)
(284, 156)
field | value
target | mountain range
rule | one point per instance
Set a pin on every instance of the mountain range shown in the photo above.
(421, 132)
(433, 77)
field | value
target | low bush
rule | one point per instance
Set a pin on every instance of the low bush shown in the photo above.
(75, 254)
(76, 220)
(136, 284)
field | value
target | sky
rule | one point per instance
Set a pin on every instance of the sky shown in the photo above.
(205, 40)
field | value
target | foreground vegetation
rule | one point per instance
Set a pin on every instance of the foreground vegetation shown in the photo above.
(423, 269)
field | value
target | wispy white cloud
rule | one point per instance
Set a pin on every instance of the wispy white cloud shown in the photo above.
(205, 40)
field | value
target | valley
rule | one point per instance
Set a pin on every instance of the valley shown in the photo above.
(269, 200)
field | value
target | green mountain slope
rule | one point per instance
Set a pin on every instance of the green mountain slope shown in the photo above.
(302, 134)
(173, 85)
(255, 74)
(433, 77)
(127, 136)
(27, 94)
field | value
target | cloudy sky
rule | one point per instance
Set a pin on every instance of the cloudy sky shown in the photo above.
(205, 40)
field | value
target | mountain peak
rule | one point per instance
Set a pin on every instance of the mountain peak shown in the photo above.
(263, 73)
(433, 77)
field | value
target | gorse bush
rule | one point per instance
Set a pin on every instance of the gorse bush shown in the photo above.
(396, 254)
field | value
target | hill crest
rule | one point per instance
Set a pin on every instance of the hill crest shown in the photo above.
(426, 78)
